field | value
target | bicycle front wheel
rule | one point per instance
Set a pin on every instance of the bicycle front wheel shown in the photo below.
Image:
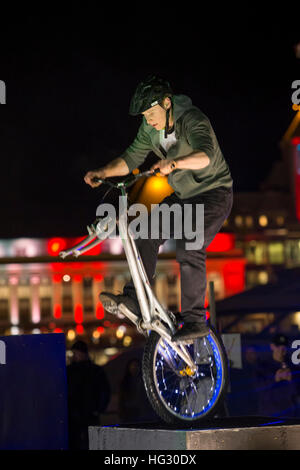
(176, 395)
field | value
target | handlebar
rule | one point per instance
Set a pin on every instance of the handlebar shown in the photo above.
(128, 181)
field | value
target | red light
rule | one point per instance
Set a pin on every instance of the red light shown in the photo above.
(297, 195)
(222, 242)
(77, 278)
(98, 277)
(57, 278)
(58, 330)
(78, 313)
(100, 329)
(234, 276)
(58, 267)
(296, 141)
(99, 311)
(79, 329)
(55, 245)
(57, 311)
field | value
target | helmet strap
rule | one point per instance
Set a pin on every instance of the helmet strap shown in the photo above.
(167, 123)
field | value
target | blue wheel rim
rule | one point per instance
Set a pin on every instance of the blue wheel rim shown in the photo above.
(189, 398)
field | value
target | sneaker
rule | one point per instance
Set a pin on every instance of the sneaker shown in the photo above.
(190, 331)
(111, 303)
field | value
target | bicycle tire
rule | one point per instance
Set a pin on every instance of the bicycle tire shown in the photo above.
(155, 397)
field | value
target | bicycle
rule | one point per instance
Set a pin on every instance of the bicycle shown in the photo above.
(185, 382)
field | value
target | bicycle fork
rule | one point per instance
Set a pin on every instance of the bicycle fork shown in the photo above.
(142, 284)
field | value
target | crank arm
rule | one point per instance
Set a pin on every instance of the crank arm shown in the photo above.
(128, 314)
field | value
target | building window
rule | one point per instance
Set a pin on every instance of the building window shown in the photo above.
(250, 252)
(238, 220)
(67, 298)
(46, 308)
(219, 289)
(292, 252)
(4, 310)
(249, 221)
(172, 300)
(108, 282)
(255, 278)
(263, 220)
(276, 253)
(280, 220)
(24, 311)
(88, 300)
(251, 279)
(256, 252)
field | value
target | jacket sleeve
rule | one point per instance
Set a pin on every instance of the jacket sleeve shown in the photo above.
(199, 132)
(137, 152)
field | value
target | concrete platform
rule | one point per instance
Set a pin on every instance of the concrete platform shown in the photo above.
(245, 433)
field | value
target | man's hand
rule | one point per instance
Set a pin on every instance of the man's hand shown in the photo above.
(94, 174)
(164, 166)
(283, 374)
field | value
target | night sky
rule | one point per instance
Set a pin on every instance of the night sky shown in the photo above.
(70, 77)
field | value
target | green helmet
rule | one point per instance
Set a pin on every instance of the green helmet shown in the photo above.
(149, 93)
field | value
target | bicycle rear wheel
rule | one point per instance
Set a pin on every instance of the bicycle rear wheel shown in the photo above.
(176, 395)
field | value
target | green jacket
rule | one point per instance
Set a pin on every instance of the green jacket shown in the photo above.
(193, 132)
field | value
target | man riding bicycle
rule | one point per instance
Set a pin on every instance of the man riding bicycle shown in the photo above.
(184, 140)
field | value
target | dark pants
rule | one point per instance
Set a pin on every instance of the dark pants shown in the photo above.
(217, 207)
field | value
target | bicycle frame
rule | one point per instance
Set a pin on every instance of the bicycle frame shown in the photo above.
(153, 313)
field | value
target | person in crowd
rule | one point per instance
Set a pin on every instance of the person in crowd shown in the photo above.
(88, 395)
(243, 396)
(133, 402)
(278, 381)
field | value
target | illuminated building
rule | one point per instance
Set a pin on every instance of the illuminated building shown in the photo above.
(39, 292)
(267, 229)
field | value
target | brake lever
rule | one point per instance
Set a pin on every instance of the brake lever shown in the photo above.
(105, 181)
(151, 172)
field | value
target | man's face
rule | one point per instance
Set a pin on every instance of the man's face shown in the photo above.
(156, 116)
(279, 352)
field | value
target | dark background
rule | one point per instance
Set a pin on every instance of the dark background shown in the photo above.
(70, 76)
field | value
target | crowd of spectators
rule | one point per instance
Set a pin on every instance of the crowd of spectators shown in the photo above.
(268, 383)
